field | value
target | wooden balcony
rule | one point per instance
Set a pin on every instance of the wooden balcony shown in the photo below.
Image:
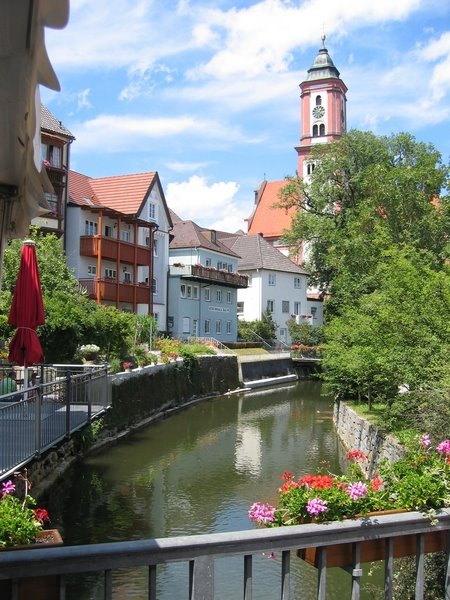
(210, 275)
(89, 246)
(128, 292)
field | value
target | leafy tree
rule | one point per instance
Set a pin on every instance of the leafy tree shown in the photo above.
(253, 331)
(366, 194)
(398, 335)
(304, 333)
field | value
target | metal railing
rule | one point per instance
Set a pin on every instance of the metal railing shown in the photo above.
(35, 418)
(210, 341)
(201, 552)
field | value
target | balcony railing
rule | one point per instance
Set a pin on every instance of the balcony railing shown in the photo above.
(89, 246)
(210, 275)
(201, 552)
(128, 292)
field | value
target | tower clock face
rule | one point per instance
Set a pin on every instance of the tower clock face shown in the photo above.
(318, 112)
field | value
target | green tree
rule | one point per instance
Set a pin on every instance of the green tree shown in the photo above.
(397, 335)
(366, 194)
(253, 331)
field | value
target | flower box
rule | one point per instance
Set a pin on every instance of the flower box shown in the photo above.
(44, 587)
(341, 555)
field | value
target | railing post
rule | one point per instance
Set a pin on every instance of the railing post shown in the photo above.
(248, 576)
(420, 563)
(356, 571)
(37, 421)
(285, 574)
(447, 574)
(68, 401)
(89, 396)
(388, 568)
(203, 579)
(322, 573)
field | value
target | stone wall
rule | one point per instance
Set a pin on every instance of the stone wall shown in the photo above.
(356, 433)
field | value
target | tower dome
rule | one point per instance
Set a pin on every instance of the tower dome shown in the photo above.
(322, 67)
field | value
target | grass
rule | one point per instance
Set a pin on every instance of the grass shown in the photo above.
(249, 351)
(376, 416)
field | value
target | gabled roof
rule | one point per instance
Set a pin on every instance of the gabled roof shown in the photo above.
(125, 194)
(268, 220)
(81, 191)
(258, 253)
(187, 234)
(53, 125)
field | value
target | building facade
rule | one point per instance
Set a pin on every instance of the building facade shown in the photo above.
(203, 284)
(117, 241)
(275, 284)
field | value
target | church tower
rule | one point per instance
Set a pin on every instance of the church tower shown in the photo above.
(323, 113)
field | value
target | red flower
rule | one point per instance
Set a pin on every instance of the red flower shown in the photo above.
(41, 515)
(376, 483)
(286, 476)
(355, 455)
(288, 485)
(318, 482)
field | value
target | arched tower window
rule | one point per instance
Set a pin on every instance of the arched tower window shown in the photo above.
(310, 169)
(318, 100)
(322, 129)
(315, 131)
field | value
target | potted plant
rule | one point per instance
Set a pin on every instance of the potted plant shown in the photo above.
(22, 527)
(419, 481)
(89, 351)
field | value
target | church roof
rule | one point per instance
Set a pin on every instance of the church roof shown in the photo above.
(266, 219)
(322, 67)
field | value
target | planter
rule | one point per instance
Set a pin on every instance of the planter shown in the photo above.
(46, 587)
(340, 555)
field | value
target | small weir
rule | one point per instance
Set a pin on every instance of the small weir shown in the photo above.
(275, 369)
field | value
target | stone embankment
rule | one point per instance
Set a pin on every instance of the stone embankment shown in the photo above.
(356, 433)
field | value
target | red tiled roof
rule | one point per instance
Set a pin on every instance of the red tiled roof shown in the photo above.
(268, 220)
(124, 193)
(81, 191)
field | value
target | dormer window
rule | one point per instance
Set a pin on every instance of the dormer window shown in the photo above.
(213, 236)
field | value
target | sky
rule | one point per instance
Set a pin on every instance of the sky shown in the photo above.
(206, 92)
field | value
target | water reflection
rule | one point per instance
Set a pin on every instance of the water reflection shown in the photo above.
(198, 472)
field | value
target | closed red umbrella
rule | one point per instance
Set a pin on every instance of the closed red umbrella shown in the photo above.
(27, 311)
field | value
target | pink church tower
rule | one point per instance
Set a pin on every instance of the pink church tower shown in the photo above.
(323, 114)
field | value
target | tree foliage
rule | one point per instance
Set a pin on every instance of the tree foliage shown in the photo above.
(366, 194)
(253, 331)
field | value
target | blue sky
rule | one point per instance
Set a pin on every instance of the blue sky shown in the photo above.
(206, 92)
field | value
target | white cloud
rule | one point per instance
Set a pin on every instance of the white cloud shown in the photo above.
(183, 167)
(83, 99)
(133, 132)
(210, 205)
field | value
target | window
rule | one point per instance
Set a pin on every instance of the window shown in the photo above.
(207, 326)
(154, 285)
(318, 100)
(218, 295)
(229, 297)
(186, 325)
(110, 273)
(155, 247)
(156, 317)
(213, 236)
(152, 211)
(90, 228)
(310, 168)
(297, 308)
(53, 154)
(183, 290)
(285, 306)
(195, 292)
(218, 326)
(322, 129)
(240, 308)
(219, 265)
(297, 282)
(207, 294)
(229, 327)
(108, 231)
(188, 291)
(314, 312)
(272, 279)
(249, 280)
(127, 277)
(208, 262)
(315, 131)
(270, 305)
(92, 270)
(125, 235)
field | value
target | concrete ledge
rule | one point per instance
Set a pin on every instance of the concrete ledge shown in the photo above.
(268, 381)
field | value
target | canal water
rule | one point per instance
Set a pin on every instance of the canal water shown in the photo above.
(196, 472)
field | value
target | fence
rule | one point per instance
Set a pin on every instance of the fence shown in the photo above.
(33, 419)
(202, 551)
